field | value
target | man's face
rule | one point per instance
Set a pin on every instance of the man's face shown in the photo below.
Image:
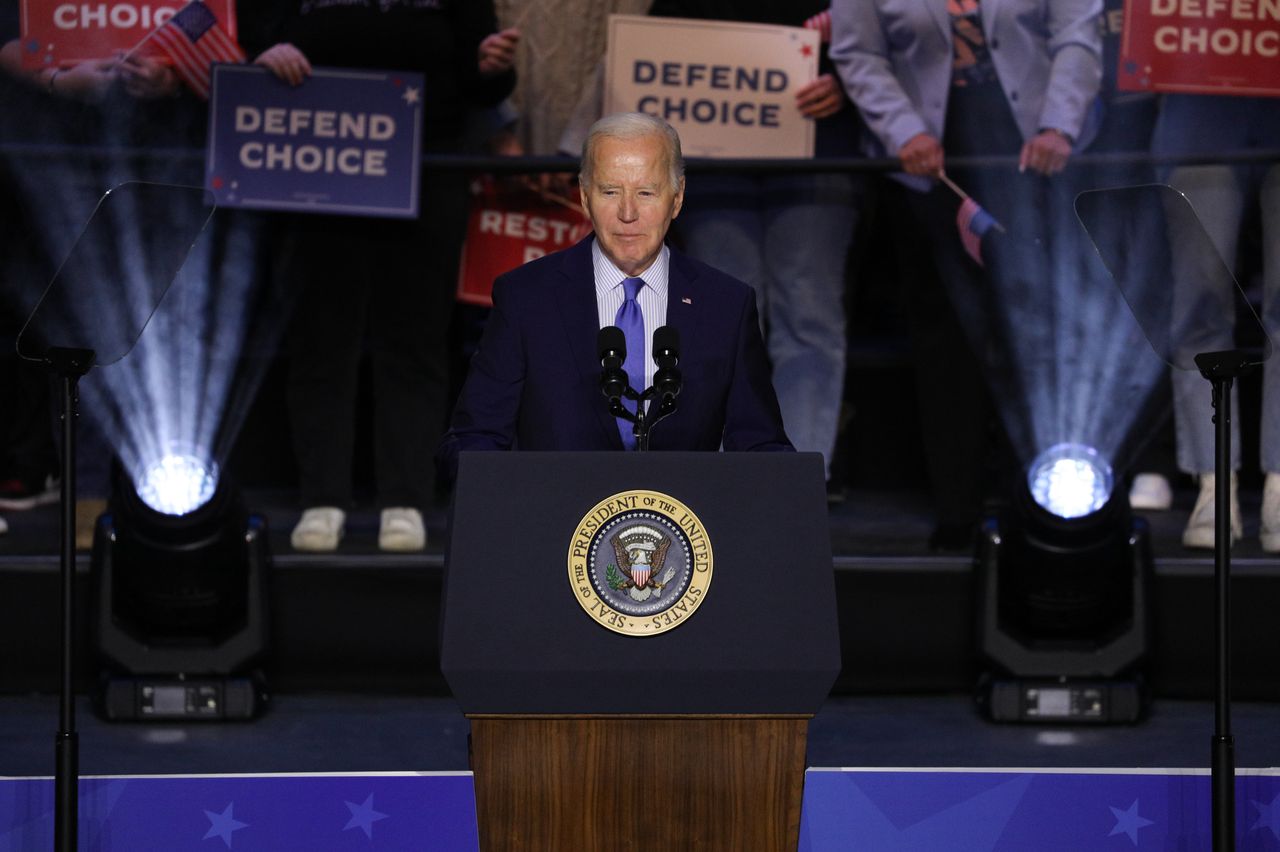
(630, 200)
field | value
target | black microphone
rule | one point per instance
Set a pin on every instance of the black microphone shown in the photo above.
(611, 343)
(667, 381)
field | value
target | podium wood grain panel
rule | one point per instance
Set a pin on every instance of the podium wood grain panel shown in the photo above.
(638, 783)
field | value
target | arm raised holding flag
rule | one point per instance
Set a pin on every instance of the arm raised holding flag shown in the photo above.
(193, 40)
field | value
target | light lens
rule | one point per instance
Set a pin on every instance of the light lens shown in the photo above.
(178, 484)
(1070, 480)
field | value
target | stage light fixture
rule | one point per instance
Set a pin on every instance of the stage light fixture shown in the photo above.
(1070, 480)
(178, 482)
(180, 604)
(1064, 569)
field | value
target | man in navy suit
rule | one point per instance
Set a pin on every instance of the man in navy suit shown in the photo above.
(535, 380)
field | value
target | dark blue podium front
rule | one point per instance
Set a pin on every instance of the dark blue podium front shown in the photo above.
(516, 640)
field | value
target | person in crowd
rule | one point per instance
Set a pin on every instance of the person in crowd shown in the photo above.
(89, 81)
(534, 382)
(1127, 124)
(968, 77)
(27, 454)
(561, 42)
(59, 102)
(788, 235)
(1220, 195)
(392, 280)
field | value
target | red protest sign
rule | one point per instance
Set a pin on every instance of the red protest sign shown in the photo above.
(1223, 47)
(56, 32)
(510, 225)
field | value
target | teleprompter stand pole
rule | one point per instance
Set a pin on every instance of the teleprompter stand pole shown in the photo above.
(69, 365)
(1221, 369)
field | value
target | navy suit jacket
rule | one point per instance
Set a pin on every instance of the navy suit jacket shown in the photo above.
(534, 383)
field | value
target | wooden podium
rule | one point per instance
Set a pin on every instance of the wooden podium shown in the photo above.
(586, 737)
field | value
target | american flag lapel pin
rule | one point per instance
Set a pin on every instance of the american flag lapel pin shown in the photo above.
(686, 300)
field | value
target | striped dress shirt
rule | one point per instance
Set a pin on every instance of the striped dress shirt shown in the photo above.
(652, 298)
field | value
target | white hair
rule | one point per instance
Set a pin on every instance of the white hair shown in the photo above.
(632, 125)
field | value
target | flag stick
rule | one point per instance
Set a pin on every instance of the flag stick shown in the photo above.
(123, 59)
(942, 176)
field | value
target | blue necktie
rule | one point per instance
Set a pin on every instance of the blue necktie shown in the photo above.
(631, 321)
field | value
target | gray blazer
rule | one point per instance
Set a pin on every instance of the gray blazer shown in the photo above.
(895, 57)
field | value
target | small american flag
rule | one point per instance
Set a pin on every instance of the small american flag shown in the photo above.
(973, 223)
(822, 23)
(194, 40)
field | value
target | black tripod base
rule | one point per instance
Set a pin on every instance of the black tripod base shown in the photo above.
(66, 794)
(1224, 793)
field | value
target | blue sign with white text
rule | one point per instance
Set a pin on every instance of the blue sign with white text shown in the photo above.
(343, 141)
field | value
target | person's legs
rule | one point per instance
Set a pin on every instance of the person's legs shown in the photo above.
(1203, 320)
(412, 305)
(1269, 198)
(325, 339)
(1208, 316)
(809, 224)
(951, 392)
(27, 450)
(721, 225)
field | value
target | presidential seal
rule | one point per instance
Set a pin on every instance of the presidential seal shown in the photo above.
(640, 563)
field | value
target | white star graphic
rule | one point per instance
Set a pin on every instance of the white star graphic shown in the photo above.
(223, 824)
(1268, 816)
(363, 816)
(1128, 822)
(410, 95)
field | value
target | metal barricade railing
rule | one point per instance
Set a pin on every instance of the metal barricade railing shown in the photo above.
(695, 165)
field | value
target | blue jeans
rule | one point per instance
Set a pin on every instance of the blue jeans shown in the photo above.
(788, 237)
(1219, 195)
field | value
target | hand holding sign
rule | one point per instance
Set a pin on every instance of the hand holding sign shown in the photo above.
(498, 52)
(820, 98)
(286, 62)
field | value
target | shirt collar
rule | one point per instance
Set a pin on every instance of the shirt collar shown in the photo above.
(609, 276)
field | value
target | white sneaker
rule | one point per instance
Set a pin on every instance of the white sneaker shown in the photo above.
(319, 530)
(1270, 533)
(1150, 491)
(1199, 531)
(401, 529)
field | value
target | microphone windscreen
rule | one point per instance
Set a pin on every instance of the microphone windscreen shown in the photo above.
(611, 340)
(667, 338)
